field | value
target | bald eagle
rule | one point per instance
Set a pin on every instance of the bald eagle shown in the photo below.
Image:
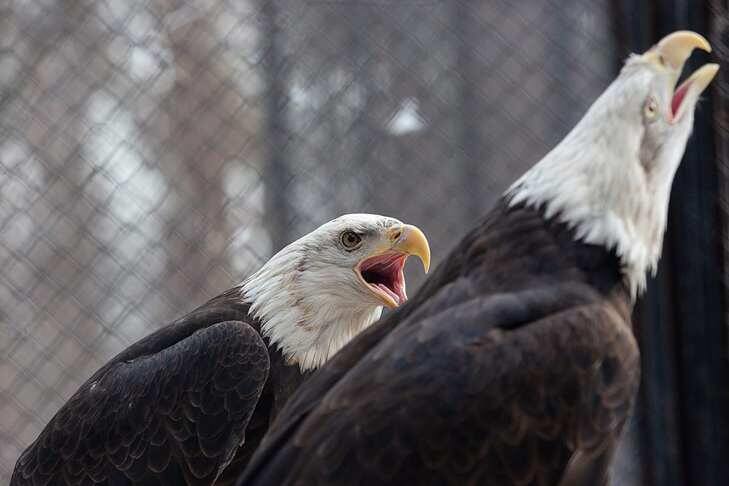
(180, 405)
(515, 364)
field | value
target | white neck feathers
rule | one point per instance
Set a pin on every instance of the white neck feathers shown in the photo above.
(303, 312)
(594, 182)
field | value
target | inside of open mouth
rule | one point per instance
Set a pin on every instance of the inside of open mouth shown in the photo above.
(384, 273)
(678, 97)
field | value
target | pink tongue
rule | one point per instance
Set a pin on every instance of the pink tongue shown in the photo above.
(678, 97)
(389, 292)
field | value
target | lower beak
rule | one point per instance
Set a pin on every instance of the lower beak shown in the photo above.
(687, 94)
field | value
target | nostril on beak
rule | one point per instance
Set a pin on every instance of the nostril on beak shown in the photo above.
(396, 235)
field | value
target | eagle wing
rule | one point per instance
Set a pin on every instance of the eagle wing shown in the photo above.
(170, 410)
(530, 387)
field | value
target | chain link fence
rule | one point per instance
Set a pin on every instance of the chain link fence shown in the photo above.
(155, 152)
(720, 41)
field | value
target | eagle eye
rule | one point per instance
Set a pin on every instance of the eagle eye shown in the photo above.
(650, 109)
(350, 240)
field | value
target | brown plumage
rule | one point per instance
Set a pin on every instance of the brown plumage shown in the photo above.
(515, 364)
(189, 404)
(484, 377)
(170, 408)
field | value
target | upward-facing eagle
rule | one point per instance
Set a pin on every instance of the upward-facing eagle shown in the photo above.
(175, 407)
(515, 364)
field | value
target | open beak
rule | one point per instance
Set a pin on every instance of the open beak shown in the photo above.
(383, 272)
(671, 53)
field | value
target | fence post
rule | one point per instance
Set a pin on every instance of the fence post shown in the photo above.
(469, 138)
(276, 171)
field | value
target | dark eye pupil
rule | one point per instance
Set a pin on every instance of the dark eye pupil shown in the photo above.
(350, 238)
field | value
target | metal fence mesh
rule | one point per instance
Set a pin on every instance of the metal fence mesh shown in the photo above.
(155, 152)
(720, 39)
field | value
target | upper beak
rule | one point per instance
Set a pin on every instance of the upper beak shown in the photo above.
(671, 53)
(675, 48)
(410, 240)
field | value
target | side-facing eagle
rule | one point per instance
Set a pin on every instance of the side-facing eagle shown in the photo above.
(515, 364)
(180, 405)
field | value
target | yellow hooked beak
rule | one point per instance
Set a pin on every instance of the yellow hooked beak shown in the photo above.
(671, 53)
(382, 271)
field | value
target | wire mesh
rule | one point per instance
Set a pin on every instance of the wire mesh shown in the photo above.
(720, 39)
(155, 152)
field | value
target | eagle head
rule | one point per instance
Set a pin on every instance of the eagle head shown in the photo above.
(610, 178)
(321, 290)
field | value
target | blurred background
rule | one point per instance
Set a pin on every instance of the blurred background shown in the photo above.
(155, 152)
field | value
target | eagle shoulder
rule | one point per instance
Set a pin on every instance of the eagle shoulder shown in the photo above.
(473, 389)
(176, 411)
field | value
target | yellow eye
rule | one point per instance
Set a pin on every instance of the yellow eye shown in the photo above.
(350, 240)
(651, 108)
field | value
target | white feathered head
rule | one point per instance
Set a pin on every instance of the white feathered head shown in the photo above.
(318, 292)
(610, 178)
